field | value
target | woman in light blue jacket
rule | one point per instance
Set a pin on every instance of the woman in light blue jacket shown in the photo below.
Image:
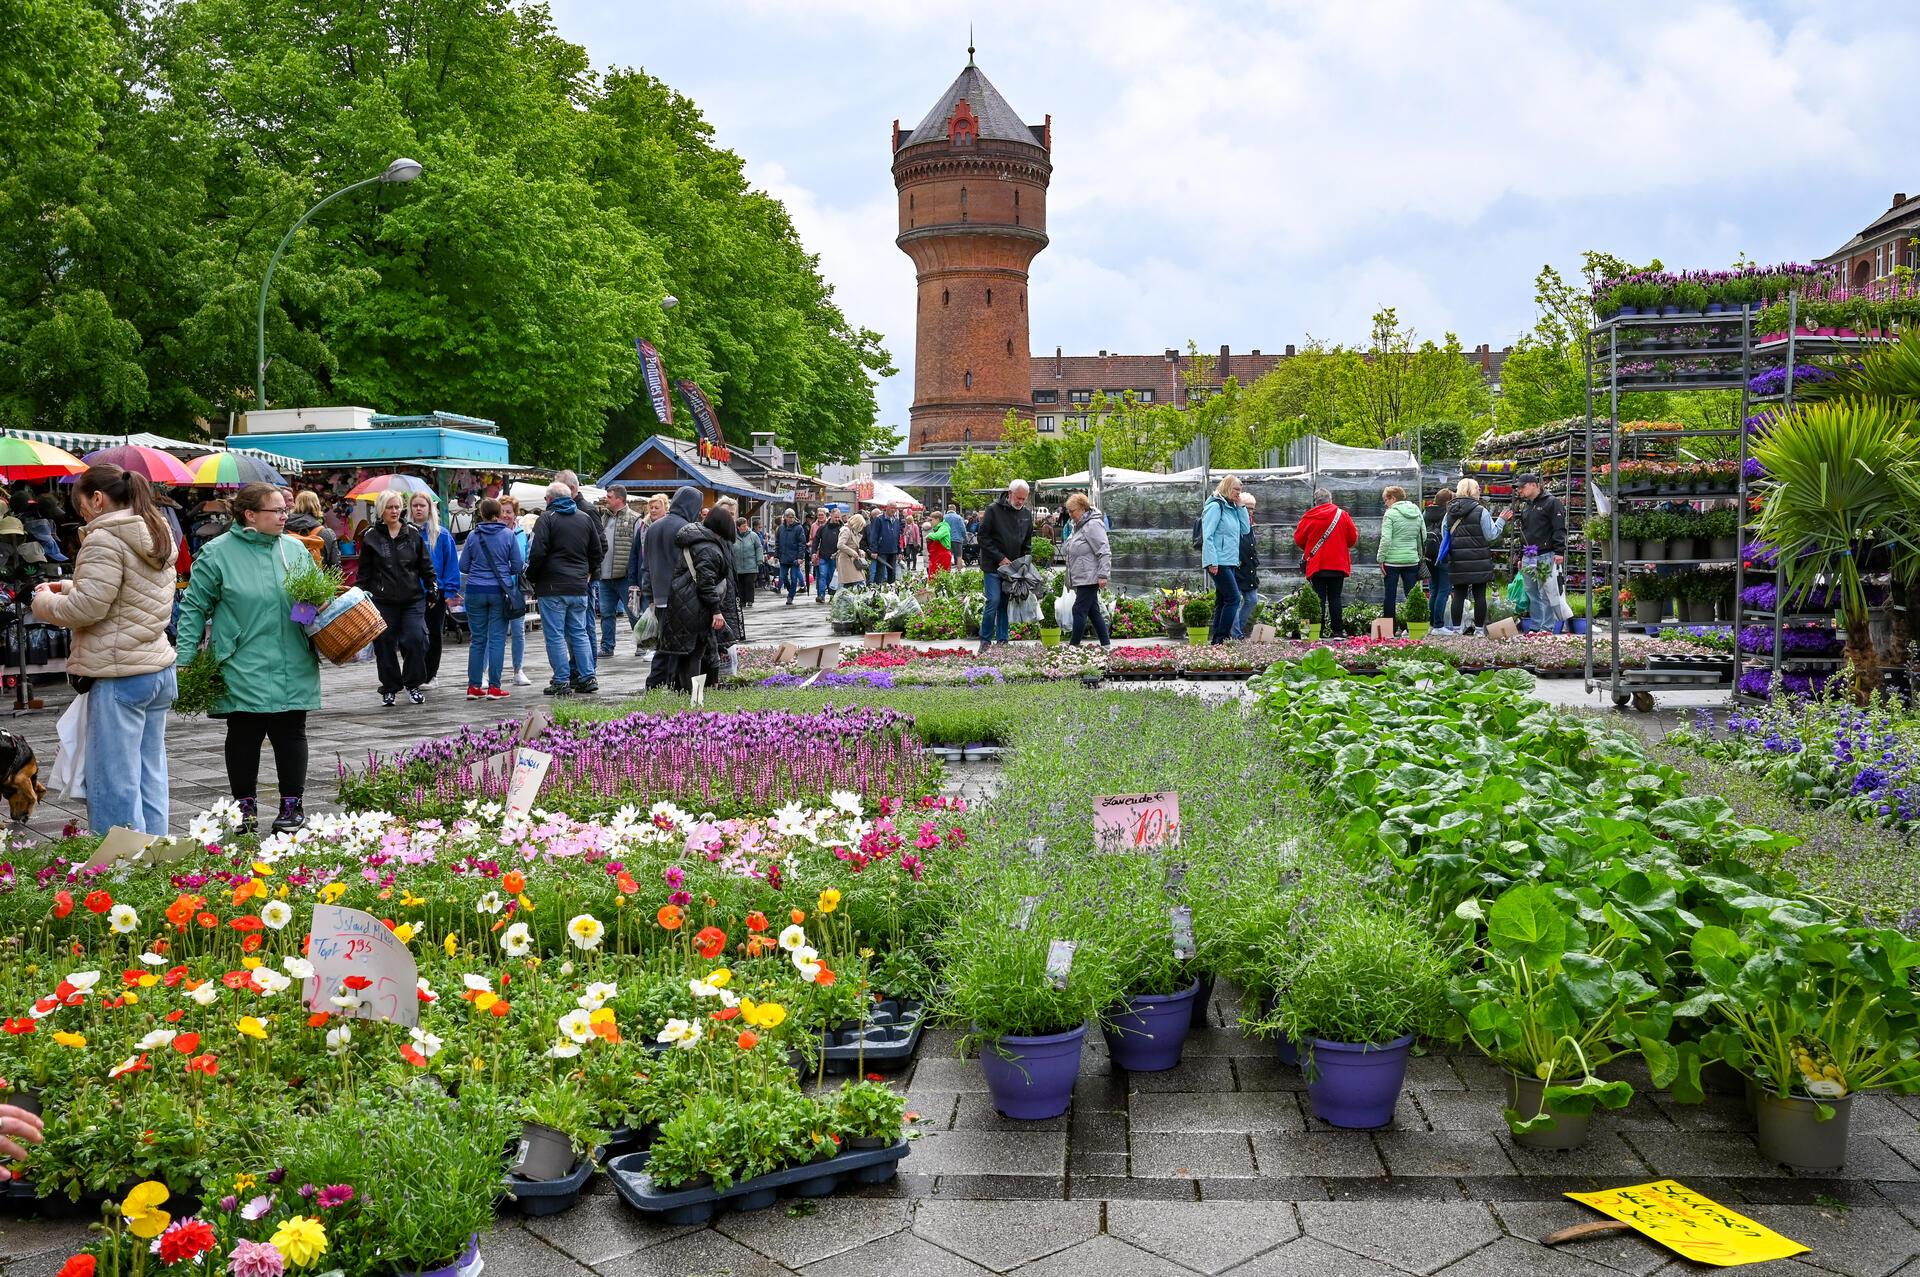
(1222, 523)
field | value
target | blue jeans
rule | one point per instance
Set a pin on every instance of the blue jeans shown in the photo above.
(610, 597)
(126, 762)
(517, 634)
(882, 569)
(1226, 603)
(1407, 574)
(793, 579)
(569, 635)
(487, 618)
(1538, 612)
(993, 625)
(823, 577)
(1244, 622)
(1439, 588)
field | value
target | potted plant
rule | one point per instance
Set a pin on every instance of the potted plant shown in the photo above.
(1147, 1028)
(1026, 1000)
(1812, 1012)
(1170, 611)
(868, 1114)
(311, 587)
(1415, 612)
(1648, 594)
(559, 1129)
(1369, 981)
(1554, 1001)
(1307, 608)
(1197, 612)
(1716, 535)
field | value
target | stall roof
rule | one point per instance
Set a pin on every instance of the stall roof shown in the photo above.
(83, 443)
(685, 456)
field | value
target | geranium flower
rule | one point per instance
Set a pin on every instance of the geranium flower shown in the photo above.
(276, 914)
(255, 1259)
(681, 1033)
(187, 1240)
(710, 942)
(516, 940)
(302, 1240)
(585, 931)
(141, 1210)
(122, 919)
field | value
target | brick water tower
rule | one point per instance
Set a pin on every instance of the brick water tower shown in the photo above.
(972, 181)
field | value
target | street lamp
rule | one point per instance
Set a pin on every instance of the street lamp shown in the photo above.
(669, 302)
(401, 170)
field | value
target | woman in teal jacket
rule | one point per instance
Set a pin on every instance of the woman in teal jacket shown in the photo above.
(1222, 523)
(236, 600)
(1403, 536)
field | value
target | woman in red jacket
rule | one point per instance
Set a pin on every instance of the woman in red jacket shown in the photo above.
(1326, 536)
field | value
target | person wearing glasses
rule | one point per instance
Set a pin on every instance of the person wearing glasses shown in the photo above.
(236, 603)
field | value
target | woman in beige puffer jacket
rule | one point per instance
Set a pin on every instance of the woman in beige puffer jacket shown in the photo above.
(118, 605)
(850, 553)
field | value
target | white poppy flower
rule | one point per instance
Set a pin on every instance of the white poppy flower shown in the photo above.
(516, 940)
(577, 1025)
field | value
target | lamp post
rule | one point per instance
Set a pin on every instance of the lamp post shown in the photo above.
(401, 170)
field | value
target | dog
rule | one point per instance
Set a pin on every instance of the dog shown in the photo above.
(20, 775)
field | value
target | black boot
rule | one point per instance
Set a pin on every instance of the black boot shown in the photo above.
(249, 816)
(292, 816)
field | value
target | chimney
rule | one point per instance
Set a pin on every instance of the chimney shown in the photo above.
(1256, 352)
(1103, 354)
(1059, 370)
(1225, 359)
(1173, 356)
(896, 135)
(1289, 350)
(1899, 198)
(1486, 357)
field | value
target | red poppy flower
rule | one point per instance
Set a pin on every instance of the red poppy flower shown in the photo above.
(62, 906)
(246, 922)
(627, 885)
(710, 942)
(206, 919)
(424, 996)
(513, 882)
(876, 1077)
(131, 977)
(203, 1064)
(317, 1019)
(357, 982)
(44, 1005)
(77, 1266)
(175, 1016)
(825, 978)
(21, 1024)
(186, 1241)
(187, 1043)
(499, 1009)
(114, 1004)
(159, 946)
(251, 944)
(237, 979)
(726, 1014)
(98, 902)
(756, 921)
(174, 976)
(749, 1039)
(411, 1055)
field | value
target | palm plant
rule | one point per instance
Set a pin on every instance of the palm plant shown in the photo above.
(1842, 477)
(1889, 373)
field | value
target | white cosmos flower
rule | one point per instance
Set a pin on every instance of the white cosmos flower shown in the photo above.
(793, 937)
(123, 918)
(577, 1025)
(206, 993)
(516, 940)
(155, 1040)
(682, 1033)
(586, 930)
(298, 968)
(276, 914)
(846, 801)
(205, 830)
(598, 994)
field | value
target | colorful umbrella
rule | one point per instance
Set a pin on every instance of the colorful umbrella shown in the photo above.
(157, 466)
(368, 489)
(232, 470)
(30, 459)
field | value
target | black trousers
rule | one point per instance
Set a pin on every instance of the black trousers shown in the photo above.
(436, 619)
(1330, 585)
(1479, 589)
(743, 583)
(1086, 610)
(666, 665)
(247, 732)
(401, 652)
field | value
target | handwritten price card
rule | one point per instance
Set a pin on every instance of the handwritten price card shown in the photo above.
(1688, 1224)
(529, 769)
(355, 956)
(1136, 822)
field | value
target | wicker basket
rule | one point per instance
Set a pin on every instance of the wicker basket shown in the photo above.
(346, 626)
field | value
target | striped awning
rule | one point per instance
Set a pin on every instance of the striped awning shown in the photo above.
(80, 444)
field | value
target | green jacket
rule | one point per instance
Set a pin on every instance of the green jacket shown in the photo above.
(1403, 533)
(239, 586)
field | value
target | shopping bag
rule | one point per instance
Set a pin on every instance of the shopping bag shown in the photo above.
(646, 631)
(1557, 605)
(1517, 593)
(1063, 612)
(70, 758)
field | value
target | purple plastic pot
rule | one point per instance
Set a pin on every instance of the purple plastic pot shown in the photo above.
(1286, 1051)
(1355, 1085)
(304, 613)
(1034, 1078)
(1148, 1037)
(468, 1263)
(1203, 1001)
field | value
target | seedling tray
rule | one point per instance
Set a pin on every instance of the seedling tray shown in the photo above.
(892, 1031)
(698, 1205)
(550, 1196)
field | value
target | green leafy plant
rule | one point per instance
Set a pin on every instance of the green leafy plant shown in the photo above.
(200, 684)
(1365, 974)
(868, 1111)
(569, 1110)
(307, 582)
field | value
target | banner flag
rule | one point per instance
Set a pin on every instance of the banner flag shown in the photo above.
(704, 422)
(655, 373)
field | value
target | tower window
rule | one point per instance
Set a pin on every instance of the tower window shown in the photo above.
(963, 133)
(963, 203)
(946, 297)
(1009, 347)
(989, 297)
(1023, 301)
(968, 379)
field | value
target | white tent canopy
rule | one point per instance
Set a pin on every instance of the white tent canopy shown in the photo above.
(533, 496)
(1108, 474)
(888, 494)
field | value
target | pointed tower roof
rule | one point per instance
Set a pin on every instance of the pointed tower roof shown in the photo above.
(998, 121)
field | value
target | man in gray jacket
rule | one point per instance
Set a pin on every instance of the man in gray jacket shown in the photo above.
(660, 552)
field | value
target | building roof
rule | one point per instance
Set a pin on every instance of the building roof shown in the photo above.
(685, 455)
(998, 120)
(1903, 213)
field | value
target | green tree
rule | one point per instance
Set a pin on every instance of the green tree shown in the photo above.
(1400, 379)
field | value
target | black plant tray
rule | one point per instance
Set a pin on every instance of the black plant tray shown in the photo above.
(894, 1026)
(698, 1205)
(550, 1196)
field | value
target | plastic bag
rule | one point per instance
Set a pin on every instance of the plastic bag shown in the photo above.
(1557, 605)
(646, 631)
(70, 759)
(1517, 593)
(1020, 611)
(1063, 612)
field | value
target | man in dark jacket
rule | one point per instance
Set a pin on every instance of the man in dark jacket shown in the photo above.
(790, 548)
(563, 561)
(883, 544)
(659, 546)
(826, 544)
(1543, 525)
(1006, 532)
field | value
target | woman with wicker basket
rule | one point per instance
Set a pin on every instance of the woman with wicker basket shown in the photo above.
(236, 601)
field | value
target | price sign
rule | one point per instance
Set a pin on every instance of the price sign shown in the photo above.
(1136, 822)
(1691, 1225)
(354, 953)
(1037, 848)
(1060, 961)
(1025, 915)
(529, 770)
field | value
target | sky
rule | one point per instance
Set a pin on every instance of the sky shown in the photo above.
(1258, 174)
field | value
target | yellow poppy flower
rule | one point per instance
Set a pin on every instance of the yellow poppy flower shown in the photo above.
(75, 1040)
(829, 900)
(253, 1027)
(720, 978)
(332, 892)
(451, 944)
(142, 1212)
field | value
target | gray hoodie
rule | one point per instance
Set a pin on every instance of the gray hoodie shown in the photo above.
(682, 510)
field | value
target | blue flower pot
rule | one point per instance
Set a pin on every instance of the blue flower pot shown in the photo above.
(1356, 1085)
(1034, 1078)
(1148, 1036)
(1626, 312)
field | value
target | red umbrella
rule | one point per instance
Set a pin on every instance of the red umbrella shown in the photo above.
(157, 466)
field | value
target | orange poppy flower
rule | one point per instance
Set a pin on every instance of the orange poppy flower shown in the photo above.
(206, 919)
(251, 944)
(411, 1055)
(513, 882)
(726, 1013)
(175, 1016)
(749, 1039)
(499, 1009)
(181, 910)
(756, 921)
(186, 1043)
(241, 893)
(710, 942)
(669, 917)
(825, 977)
(62, 903)
(246, 922)
(317, 1019)
(798, 916)
(98, 902)
(758, 945)
(626, 883)
(203, 1064)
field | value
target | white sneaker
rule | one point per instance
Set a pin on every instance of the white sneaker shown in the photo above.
(426, 686)
(520, 679)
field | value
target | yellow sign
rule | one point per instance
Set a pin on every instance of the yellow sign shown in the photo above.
(1696, 1227)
